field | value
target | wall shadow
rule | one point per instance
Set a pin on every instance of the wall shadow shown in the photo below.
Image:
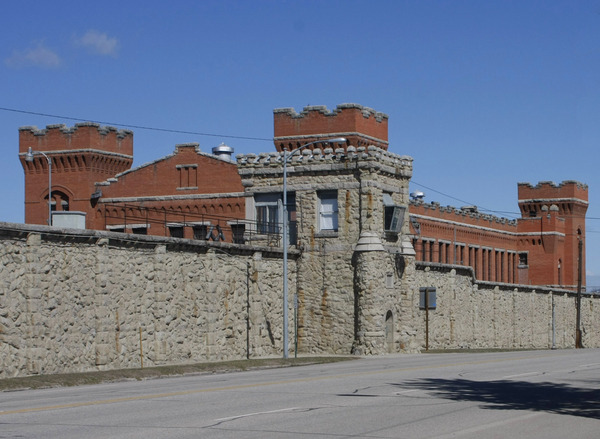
(516, 395)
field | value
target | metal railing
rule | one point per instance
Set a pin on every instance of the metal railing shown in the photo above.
(132, 218)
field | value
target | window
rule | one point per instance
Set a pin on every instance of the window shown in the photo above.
(176, 231)
(238, 233)
(328, 211)
(200, 232)
(188, 176)
(267, 213)
(523, 260)
(393, 215)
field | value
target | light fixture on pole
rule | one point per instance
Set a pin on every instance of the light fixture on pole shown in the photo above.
(287, 157)
(29, 158)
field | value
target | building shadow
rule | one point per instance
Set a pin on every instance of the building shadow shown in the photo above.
(516, 395)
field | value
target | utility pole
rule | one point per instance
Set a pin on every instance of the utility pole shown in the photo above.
(578, 343)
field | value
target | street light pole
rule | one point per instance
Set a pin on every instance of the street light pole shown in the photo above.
(286, 158)
(29, 158)
(578, 341)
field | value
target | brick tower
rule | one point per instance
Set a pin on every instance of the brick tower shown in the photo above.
(80, 156)
(551, 227)
(361, 126)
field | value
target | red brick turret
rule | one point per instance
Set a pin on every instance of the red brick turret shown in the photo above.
(552, 224)
(80, 156)
(361, 126)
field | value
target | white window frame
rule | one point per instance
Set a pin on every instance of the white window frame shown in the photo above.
(328, 211)
(271, 206)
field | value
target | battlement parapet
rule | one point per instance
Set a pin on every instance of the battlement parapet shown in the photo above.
(564, 183)
(102, 129)
(361, 126)
(547, 191)
(446, 212)
(365, 111)
(84, 135)
(318, 159)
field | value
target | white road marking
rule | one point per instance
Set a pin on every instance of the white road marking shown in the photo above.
(246, 415)
(590, 365)
(489, 426)
(521, 375)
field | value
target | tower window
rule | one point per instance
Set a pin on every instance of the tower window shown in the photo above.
(523, 260)
(268, 213)
(328, 211)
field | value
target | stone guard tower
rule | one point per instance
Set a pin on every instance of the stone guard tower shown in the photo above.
(350, 207)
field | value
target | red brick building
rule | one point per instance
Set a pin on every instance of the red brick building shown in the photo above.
(189, 193)
(540, 248)
(186, 194)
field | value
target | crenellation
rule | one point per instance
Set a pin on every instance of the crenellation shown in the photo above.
(392, 163)
(434, 205)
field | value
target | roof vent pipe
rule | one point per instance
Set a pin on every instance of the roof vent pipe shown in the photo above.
(223, 151)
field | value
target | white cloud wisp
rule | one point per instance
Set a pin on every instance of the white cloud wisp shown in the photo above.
(99, 43)
(39, 56)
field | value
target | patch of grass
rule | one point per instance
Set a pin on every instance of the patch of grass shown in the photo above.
(97, 377)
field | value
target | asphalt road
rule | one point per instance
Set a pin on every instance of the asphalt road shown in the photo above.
(540, 394)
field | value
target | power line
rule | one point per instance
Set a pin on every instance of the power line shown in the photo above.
(197, 133)
(138, 127)
(515, 214)
(463, 201)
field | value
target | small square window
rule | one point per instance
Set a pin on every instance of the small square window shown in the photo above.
(523, 259)
(200, 232)
(176, 231)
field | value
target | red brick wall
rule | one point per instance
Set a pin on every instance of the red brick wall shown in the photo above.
(547, 233)
(169, 175)
(81, 136)
(361, 126)
(559, 209)
(80, 156)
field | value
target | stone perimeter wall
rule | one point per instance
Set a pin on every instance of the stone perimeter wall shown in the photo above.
(484, 314)
(82, 301)
(74, 302)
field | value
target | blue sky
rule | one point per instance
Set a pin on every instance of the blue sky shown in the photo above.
(482, 94)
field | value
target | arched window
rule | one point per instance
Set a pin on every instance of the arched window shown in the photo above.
(60, 201)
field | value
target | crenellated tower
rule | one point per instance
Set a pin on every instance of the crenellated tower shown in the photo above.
(361, 126)
(80, 156)
(551, 226)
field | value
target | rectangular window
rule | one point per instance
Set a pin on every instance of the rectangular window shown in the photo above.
(328, 211)
(188, 176)
(238, 233)
(200, 232)
(268, 213)
(523, 260)
(176, 231)
(393, 215)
